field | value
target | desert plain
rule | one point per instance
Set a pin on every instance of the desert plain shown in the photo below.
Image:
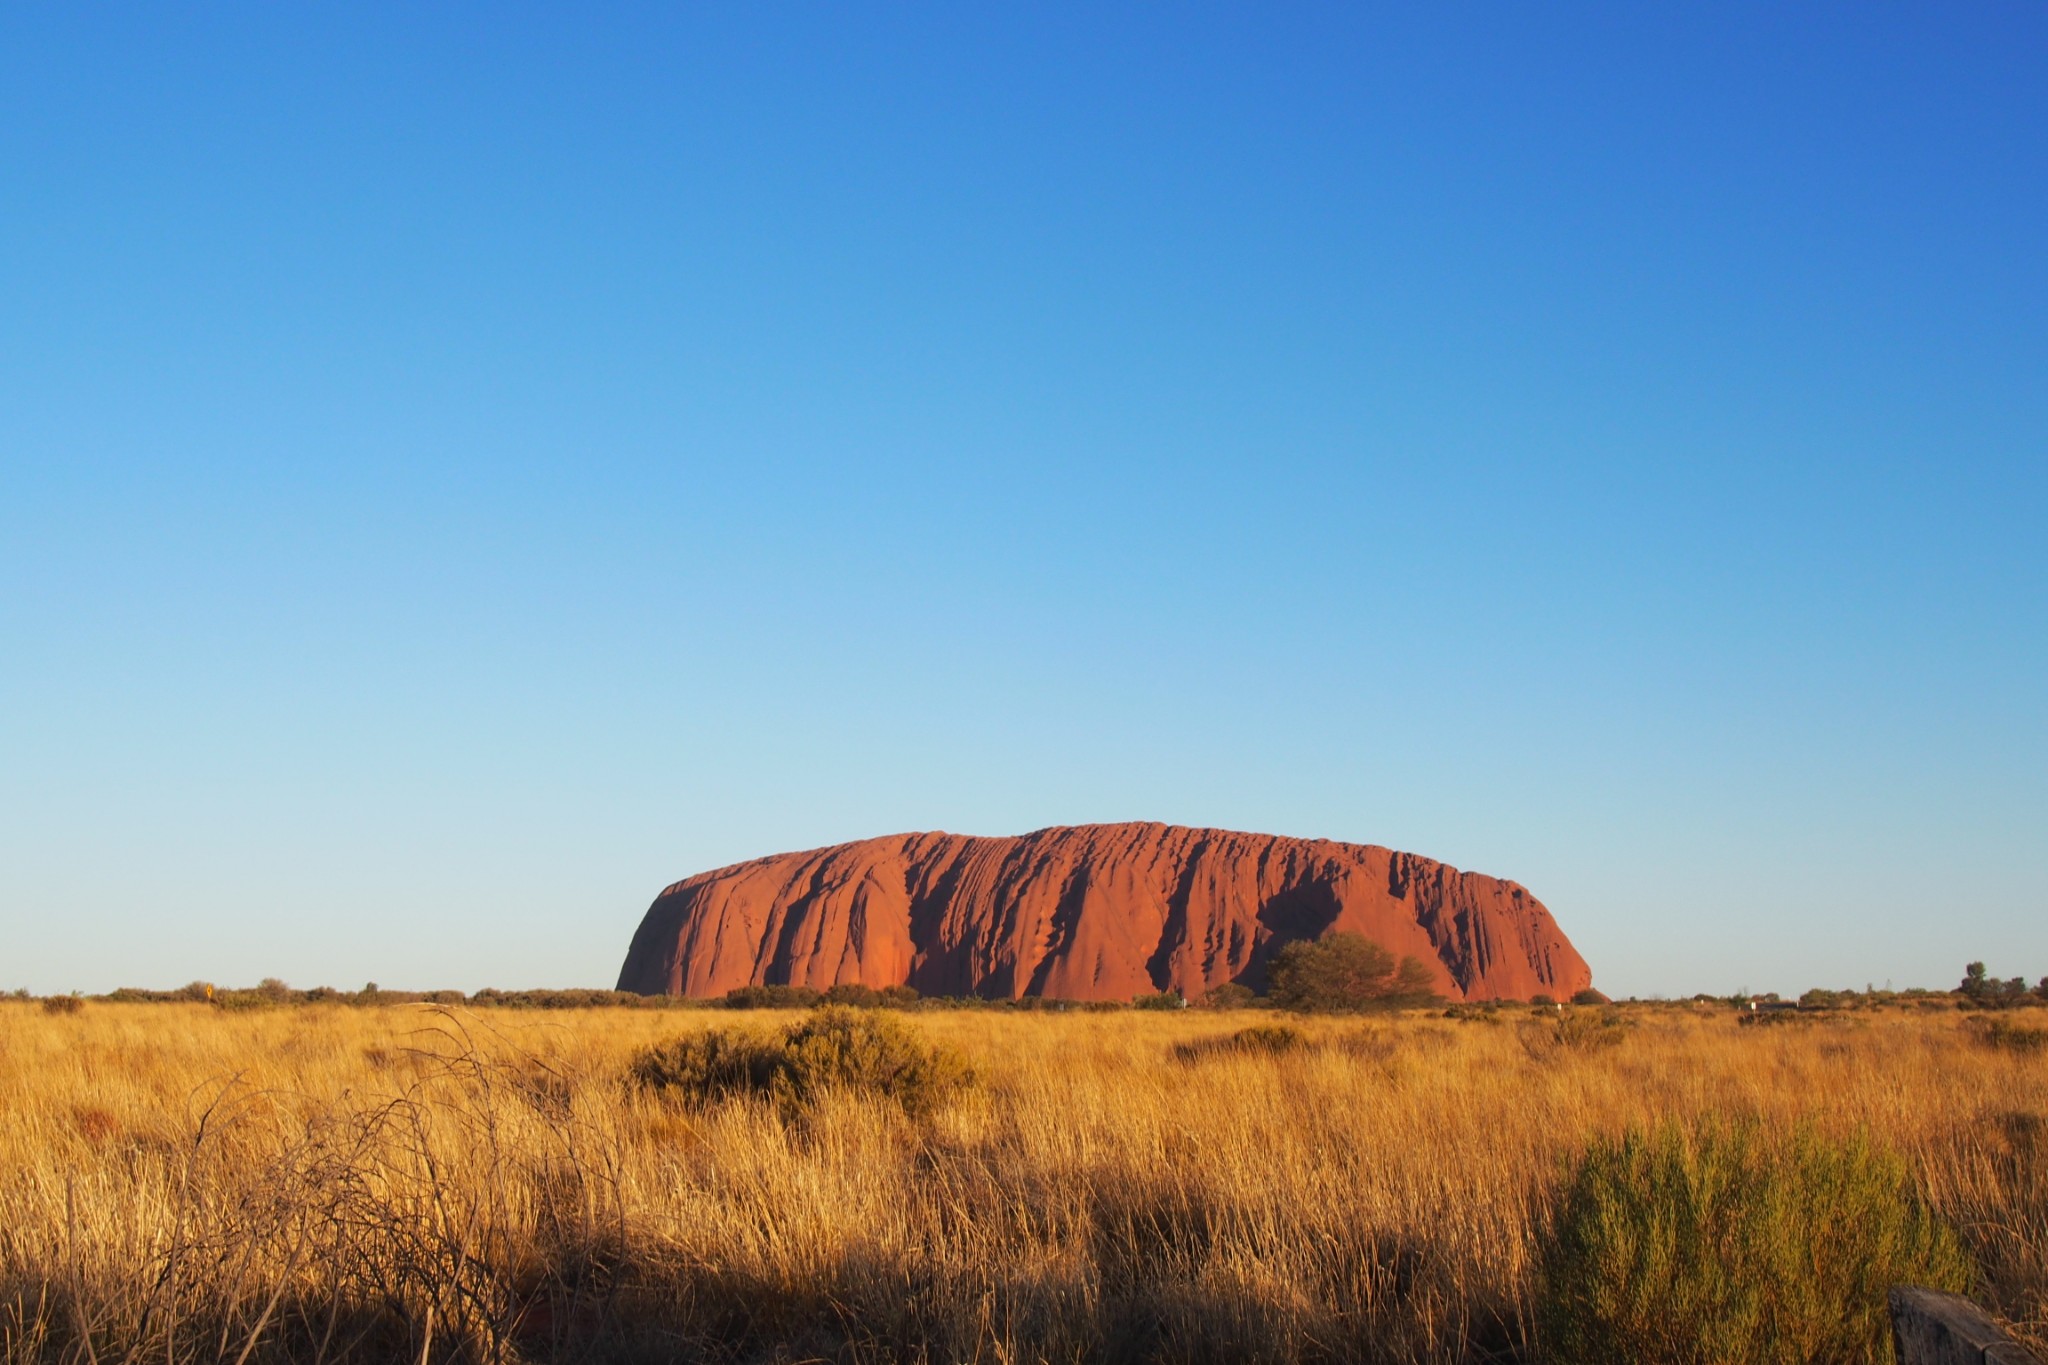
(183, 1182)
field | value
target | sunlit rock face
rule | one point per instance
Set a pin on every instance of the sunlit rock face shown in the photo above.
(1089, 912)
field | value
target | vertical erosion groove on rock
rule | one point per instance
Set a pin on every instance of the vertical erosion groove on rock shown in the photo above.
(1089, 912)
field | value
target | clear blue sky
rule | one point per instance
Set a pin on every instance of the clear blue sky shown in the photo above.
(463, 467)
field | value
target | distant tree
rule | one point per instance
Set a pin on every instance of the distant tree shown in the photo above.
(1589, 996)
(1989, 992)
(1343, 971)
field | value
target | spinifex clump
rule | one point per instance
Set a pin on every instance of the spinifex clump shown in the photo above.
(1736, 1244)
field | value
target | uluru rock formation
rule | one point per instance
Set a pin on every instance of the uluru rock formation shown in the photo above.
(1089, 912)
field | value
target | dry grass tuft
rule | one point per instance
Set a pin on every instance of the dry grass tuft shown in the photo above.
(2011, 1037)
(1267, 1039)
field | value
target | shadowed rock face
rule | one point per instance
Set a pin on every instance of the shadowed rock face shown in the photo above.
(1092, 912)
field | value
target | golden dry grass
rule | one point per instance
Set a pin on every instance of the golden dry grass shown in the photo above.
(180, 1183)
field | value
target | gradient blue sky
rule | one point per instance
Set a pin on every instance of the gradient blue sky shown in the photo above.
(463, 467)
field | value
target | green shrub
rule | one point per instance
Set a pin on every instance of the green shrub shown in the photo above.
(1589, 996)
(868, 1054)
(1346, 972)
(1735, 1243)
(836, 1048)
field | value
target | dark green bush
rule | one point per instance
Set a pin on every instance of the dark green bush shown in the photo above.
(1735, 1245)
(1160, 1000)
(836, 1048)
(852, 994)
(1345, 972)
(772, 998)
(1230, 995)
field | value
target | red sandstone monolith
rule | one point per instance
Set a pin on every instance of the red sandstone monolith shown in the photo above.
(1089, 912)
